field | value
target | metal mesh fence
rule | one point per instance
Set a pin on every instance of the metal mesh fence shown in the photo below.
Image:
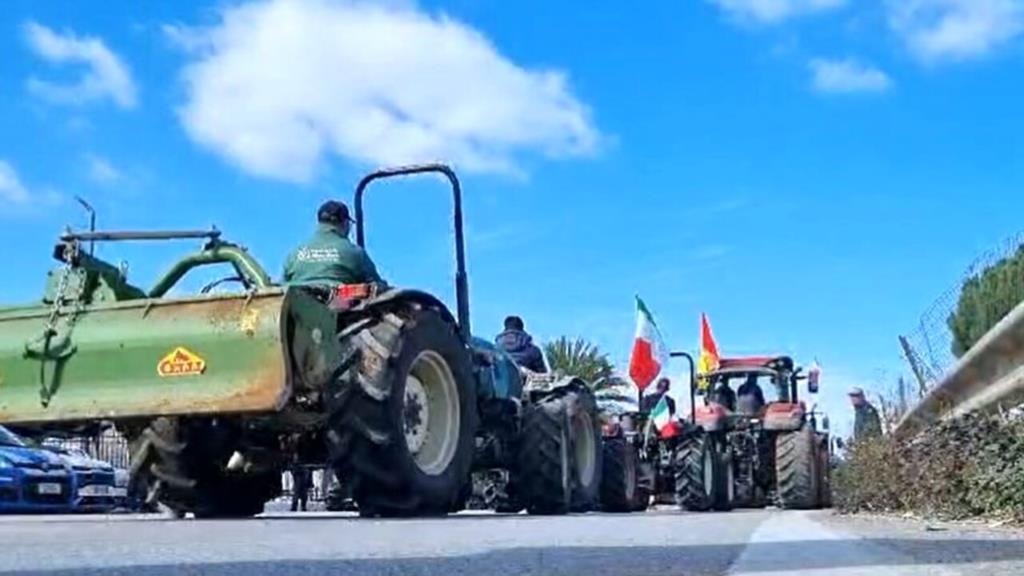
(109, 446)
(928, 348)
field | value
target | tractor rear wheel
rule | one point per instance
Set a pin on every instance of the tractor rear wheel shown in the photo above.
(587, 454)
(620, 489)
(181, 464)
(544, 476)
(559, 453)
(796, 469)
(402, 414)
(725, 478)
(645, 484)
(696, 468)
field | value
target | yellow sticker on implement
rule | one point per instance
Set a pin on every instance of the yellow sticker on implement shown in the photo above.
(181, 362)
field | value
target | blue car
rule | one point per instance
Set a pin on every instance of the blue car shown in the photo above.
(32, 480)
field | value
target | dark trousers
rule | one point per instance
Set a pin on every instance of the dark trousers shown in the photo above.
(302, 479)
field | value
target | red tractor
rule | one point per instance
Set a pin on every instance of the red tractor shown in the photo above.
(749, 452)
(640, 458)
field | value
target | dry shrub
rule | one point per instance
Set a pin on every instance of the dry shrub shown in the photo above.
(968, 467)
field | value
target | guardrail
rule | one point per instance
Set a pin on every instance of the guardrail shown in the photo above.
(989, 377)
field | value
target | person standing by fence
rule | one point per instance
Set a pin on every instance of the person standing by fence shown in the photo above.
(866, 422)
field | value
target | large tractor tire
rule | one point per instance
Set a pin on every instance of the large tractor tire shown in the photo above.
(559, 459)
(645, 485)
(544, 476)
(725, 478)
(181, 465)
(402, 414)
(696, 470)
(587, 454)
(796, 470)
(620, 482)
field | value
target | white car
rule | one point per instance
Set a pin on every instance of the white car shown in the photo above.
(95, 481)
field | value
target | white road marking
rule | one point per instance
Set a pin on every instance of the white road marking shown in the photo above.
(793, 543)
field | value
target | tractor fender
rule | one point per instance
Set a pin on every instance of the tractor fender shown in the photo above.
(538, 386)
(711, 418)
(497, 374)
(322, 360)
(394, 296)
(784, 416)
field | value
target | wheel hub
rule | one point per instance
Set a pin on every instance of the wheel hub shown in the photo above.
(585, 446)
(431, 414)
(416, 414)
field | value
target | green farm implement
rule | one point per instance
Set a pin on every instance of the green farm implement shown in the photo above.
(219, 393)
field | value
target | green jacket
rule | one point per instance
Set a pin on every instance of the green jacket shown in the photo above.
(866, 422)
(329, 258)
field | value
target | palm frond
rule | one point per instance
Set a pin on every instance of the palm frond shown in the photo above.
(580, 358)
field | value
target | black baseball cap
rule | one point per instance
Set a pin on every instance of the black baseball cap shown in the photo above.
(333, 212)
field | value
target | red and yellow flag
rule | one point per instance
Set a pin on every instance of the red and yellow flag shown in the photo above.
(709, 358)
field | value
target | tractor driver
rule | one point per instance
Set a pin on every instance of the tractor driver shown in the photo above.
(750, 397)
(329, 258)
(650, 401)
(723, 395)
(515, 341)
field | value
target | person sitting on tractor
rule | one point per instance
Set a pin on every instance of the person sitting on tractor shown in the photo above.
(750, 397)
(329, 258)
(723, 395)
(649, 402)
(519, 345)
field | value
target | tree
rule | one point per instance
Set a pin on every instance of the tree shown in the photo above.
(985, 299)
(577, 357)
(893, 403)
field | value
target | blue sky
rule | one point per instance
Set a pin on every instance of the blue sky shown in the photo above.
(810, 173)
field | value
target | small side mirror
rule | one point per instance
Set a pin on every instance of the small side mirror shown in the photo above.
(840, 444)
(813, 377)
(825, 423)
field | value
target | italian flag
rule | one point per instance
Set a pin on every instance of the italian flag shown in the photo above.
(649, 351)
(661, 419)
(661, 415)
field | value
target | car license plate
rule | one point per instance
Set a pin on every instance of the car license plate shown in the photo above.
(50, 488)
(120, 492)
(95, 490)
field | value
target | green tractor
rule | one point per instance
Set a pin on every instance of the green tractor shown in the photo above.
(219, 393)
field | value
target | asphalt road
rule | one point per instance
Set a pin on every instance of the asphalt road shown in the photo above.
(762, 543)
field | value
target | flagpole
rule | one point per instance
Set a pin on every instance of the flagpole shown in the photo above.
(693, 381)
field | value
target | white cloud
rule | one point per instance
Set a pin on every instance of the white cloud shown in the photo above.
(12, 191)
(101, 170)
(185, 37)
(936, 30)
(774, 11)
(279, 86)
(847, 76)
(104, 76)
